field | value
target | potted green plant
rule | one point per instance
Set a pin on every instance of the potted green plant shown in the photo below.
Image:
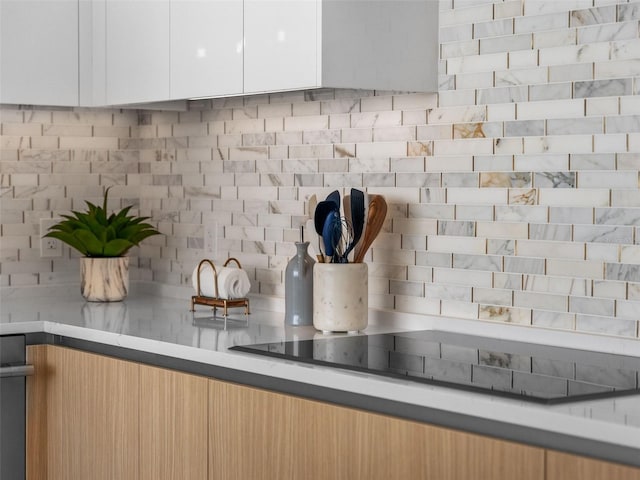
(103, 240)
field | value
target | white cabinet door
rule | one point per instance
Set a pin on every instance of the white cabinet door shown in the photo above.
(206, 48)
(138, 68)
(281, 47)
(39, 52)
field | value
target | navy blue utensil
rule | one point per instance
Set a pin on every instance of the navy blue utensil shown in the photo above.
(331, 235)
(323, 209)
(335, 198)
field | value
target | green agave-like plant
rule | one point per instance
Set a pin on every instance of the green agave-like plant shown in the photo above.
(94, 234)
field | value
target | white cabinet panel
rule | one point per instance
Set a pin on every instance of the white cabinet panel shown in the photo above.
(39, 52)
(138, 64)
(206, 48)
(281, 45)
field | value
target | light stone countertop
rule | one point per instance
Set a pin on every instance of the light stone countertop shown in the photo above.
(146, 322)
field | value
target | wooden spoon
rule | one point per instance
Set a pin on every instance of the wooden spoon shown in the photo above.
(375, 219)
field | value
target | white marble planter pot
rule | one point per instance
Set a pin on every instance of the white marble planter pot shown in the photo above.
(104, 279)
(340, 297)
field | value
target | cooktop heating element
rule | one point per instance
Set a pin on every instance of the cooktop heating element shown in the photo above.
(521, 370)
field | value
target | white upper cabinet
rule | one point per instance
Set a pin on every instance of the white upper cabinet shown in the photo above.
(137, 51)
(118, 52)
(380, 44)
(206, 48)
(39, 52)
(367, 44)
(281, 45)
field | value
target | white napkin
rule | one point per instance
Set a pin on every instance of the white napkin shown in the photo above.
(232, 282)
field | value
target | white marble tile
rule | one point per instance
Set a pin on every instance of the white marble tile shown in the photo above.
(609, 289)
(457, 115)
(551, 109)
(493, 28)
(512, 281)
(432, 211)
(606, 325)
(463, 147)
(622, 271)
(544, 301)
(554, 38)
(473, 212)
(558, 144)
(487, 196)
(459, 309)
(462, 277)
(599, 161)
(602, 252)
(479, 63)
(521, 213)
(608, 32)
(592, 306)
(451, 180)
(549, 249)
(560, 320)
(423, 306)
(600, 179)
(616, 68)
(554, 180)
(492, 296)
(560, 285)
(449, 163)
(548, 6)
(559, 214)
(543, 231)
(482, 262)
(448, 292)
(575, 126)
(630, 254)
(524, 265)
(502, 230)
(552, 91)
(466, 15)
(454, 244)
(592, 16)
(456, 33)
(534, 23)
(454, 98)
(460, 49)
(433, 259)
(471, 81)
(581, 197)
(571, 72)
(505, 314)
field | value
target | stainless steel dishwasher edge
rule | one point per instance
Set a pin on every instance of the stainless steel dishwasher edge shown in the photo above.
(13, 370)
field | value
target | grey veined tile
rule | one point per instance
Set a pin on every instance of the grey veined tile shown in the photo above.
(617, 216)
(603, 234)
(602, 88)
(555, 179)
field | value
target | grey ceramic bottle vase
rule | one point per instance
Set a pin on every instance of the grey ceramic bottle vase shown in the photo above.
(298, 288)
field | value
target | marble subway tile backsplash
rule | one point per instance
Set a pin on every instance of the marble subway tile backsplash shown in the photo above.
(513, 192)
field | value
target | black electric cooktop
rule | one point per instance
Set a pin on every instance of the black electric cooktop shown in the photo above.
(520, 370)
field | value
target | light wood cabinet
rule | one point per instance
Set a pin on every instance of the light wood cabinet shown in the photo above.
(91, 416)
(82, 412)
(173, 425)
(563, 466)
(262, 435)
